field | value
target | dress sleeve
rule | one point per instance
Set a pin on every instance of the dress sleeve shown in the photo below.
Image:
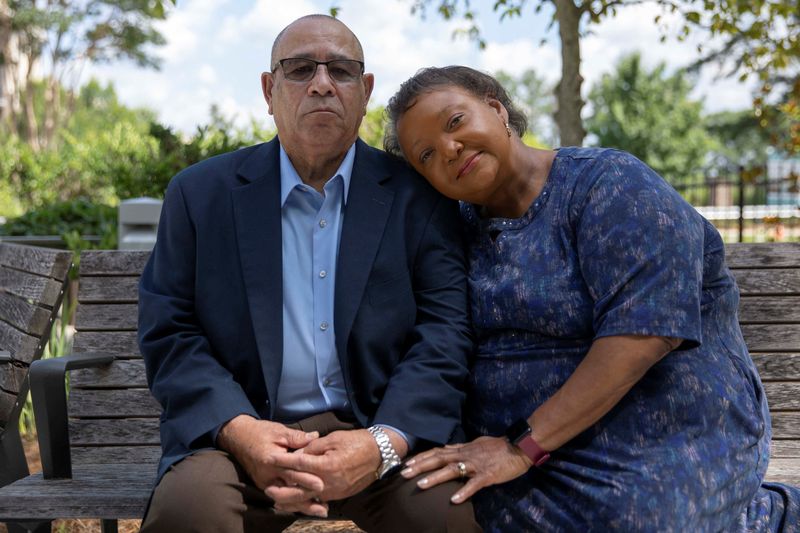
(640, 248)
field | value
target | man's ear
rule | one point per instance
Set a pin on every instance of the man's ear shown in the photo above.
(369, 82)
(267, 83)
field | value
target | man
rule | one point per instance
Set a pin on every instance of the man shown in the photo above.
(301, 291)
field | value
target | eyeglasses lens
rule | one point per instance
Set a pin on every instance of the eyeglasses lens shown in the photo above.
(340, 70)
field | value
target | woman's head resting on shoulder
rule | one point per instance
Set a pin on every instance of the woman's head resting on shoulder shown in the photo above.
(457, 127)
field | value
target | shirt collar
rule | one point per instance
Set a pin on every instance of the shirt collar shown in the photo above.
(291, 179)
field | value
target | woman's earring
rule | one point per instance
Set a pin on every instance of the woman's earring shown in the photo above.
(508, 129)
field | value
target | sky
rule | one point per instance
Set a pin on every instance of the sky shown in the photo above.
(217, 49)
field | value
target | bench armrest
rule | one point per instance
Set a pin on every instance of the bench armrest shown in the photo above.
(49, 395)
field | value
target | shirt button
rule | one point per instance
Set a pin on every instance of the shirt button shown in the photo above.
(323, 223)
(322, 273)
(323, 326)
(327, 382)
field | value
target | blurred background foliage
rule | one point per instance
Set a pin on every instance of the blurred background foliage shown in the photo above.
(104, 151)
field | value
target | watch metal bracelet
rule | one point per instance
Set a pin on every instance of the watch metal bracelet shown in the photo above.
(390, 461)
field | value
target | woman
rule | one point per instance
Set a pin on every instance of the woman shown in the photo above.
(612, 389)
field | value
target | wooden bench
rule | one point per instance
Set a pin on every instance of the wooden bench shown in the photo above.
(32, 284)
(99, 455)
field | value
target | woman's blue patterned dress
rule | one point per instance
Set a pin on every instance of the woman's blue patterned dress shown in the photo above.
(609, 248)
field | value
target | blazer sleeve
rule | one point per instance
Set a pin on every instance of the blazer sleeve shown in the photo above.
(197, 393)
(425, 392)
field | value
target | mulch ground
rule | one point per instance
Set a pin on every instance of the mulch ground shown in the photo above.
(132, 526)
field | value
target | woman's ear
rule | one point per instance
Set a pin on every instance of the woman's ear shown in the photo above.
(499, 108)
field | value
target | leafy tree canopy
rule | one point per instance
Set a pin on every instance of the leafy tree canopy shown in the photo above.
(649, 114)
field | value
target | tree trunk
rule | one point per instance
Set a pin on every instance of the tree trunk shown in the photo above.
(568, 91)
(52, 108)
(9, 96)
(31, 124)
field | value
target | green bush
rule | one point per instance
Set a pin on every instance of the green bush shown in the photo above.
(70, 220)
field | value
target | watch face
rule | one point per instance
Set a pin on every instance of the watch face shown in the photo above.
(518, 431)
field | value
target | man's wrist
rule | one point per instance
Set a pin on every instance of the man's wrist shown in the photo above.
(390, 460)
(399, 440)
(229, 435)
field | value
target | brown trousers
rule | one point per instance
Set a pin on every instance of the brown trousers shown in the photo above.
(210, 492)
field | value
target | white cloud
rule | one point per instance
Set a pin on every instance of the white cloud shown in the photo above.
(519, 55)
(206, 74)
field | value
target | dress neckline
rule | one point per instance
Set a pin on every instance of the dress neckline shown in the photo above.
(472, 215)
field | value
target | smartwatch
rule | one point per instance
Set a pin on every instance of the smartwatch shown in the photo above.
(519, 434)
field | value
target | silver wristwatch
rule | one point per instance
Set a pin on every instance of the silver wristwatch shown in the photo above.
(390, 461)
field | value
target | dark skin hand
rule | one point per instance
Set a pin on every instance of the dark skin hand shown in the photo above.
(611, 367)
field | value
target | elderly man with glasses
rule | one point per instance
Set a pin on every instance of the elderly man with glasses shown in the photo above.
(303, 317)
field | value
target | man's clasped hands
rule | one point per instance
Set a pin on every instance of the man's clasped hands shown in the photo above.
(302, 471)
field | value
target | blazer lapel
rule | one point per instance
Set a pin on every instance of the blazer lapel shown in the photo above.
(366, 213)
(257, 212)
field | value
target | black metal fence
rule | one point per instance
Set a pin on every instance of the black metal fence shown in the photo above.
(748, 207)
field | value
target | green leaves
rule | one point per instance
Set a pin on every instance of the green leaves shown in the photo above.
(649, 113)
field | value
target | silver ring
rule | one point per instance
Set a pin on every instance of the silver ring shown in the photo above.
(462, 469)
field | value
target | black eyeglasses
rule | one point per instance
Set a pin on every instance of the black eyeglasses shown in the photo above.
(304, 69)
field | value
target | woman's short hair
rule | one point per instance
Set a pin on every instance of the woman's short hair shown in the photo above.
(429, 79)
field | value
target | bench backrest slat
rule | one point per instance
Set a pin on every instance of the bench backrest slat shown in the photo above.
(113, 416)
(32, 282)
(768, 276)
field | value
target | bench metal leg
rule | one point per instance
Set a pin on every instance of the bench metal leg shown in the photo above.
(29, 527)
(108, 526)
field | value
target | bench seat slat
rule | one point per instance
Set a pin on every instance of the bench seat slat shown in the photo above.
(95, 491)
(112, 317)
(32, 286)
(108, 289)
(119, 374)
(126, 432)
(114, 403)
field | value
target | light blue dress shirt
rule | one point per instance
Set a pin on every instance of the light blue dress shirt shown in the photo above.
(311, 222)
(311, 378)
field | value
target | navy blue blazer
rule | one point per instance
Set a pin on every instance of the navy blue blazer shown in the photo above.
(210, 300)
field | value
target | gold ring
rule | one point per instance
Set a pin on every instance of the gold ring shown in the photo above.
(462, 469)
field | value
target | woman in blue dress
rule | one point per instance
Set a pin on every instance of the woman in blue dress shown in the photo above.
(611, 388)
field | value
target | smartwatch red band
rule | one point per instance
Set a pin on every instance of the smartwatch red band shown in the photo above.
(533, 450)
(519, 434)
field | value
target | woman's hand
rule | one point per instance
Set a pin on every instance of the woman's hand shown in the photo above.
(486, 461)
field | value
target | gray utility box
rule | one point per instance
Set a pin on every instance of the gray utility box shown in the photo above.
(138, 223)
